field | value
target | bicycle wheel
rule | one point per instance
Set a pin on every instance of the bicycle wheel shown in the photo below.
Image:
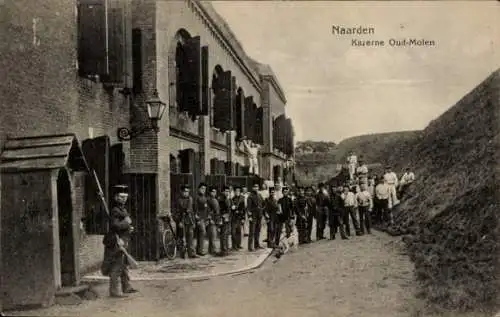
(169, 244)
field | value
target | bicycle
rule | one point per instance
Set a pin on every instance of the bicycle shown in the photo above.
(169, 239)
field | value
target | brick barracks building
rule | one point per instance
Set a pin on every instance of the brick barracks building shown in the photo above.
(76, 73)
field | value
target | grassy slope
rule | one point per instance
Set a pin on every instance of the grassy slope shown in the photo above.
(452, 209)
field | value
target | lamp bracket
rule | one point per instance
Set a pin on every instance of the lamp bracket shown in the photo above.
(125, 134)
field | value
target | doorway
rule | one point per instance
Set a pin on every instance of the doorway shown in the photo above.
(66, 234)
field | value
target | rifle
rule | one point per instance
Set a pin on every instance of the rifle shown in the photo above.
(131, 261)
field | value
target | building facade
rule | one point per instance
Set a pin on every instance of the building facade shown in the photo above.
(86, 68)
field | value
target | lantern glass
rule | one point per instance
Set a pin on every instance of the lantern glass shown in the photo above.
(156, 107)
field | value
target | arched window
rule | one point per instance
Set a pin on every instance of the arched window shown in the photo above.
(216, 100)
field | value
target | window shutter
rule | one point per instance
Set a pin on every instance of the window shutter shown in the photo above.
(116, 31)
(259, 125)
(248, 118)
(253, 120)
(181, 78)
(137, 60)
(239, 112)
(192, 50)
(92, 38)
(234, 123)
(205, 85)
(225, 106)
(213, 166)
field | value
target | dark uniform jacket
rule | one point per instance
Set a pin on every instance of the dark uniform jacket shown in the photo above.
(255, 205)
(185, 213)
(238, 211)
(225, 208)
(302, 207)
(322, 201)
(336, 204)
(287, 209)
(271, 209)
(201, 207)
(213, 208)
(118, 229)
(311, 203)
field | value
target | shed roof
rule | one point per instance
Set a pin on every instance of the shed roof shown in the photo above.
(42, 153)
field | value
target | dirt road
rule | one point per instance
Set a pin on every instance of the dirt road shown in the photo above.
(365, 276)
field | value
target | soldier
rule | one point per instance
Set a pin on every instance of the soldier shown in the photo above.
(271, 210)
(254, 211)
(185, 223)
(322, 202)
(349, 199)
(244, 193)
(115, 262)
(213, 214)
(237, 219)
(311, 203)
(352, 163)
(336, 220)
(286, 216)
(391, 179)
(201, 215)
(224, 220)
(302, 215)
(365, 207)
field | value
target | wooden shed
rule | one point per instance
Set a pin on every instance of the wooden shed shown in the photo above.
(39, 227)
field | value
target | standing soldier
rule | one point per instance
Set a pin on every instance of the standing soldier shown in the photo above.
(349, 199)
(212, 217)
(185, 223)
(352, 162)
(391, 179)
(237, 219)
(365, 207)
(271, 210)
(362, 171)
(115, 261)
(311, 203)
(286, 216)
(337, 212)
(383, 202)
(201, 215)
(322, 202)
(245, 193)
(254, 211)
(224, 220)
(302, 215)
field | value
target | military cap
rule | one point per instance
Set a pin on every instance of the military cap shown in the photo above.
(272, 189)
(212, 188)
(120, 189)
(184, 187)
(236, 187)
(202, 184)
(226, 187)
(321, 185)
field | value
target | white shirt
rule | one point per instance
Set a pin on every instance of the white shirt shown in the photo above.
(382, 191)
(264, 193)
(408, 178)
(353, 159)
(365, 199)
(363, 169)
(391, 178)
(349, 199)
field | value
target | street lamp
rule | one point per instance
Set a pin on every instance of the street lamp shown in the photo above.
(156, 108)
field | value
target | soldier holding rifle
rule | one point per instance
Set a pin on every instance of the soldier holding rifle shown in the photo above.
(185, 223)
(115, 242)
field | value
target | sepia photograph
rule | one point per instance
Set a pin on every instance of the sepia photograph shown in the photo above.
(193, 158)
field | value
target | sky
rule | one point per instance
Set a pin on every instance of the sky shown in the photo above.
(336, 90)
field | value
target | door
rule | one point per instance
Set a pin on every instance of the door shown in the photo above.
(66, 230)
(144, 242)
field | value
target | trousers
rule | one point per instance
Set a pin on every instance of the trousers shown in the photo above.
(236, 234)
(119, 274)
(185, 238)
(336, 224)
(211, 230)
(254, 227)
(279, 230)
(321, 223)
(350, 212)
(201, 232)
(364, 219)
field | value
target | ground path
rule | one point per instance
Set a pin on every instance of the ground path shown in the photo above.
(365, 276)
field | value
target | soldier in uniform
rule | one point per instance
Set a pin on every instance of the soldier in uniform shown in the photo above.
(336, 221)
(201, 215)
(237, 219)
(302, 214)
(271, 209)
(311, 205)
(255, 206)
(115, 261)
(225, 221)
(286, 215)
(185, 223)
(323, 202)
(212, 217)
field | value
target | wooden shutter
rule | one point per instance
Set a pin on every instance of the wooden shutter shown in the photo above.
(239, 112)
(233, 103)
(96, 152)
(213, 166)
(248, 118)
(116, 163)
(116, 50)
(92, 38)
(205, 82)
(224, 114)
(259, 113)
(137, 60)
(192, 49)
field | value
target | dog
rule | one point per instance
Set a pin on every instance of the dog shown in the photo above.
(287, 243)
